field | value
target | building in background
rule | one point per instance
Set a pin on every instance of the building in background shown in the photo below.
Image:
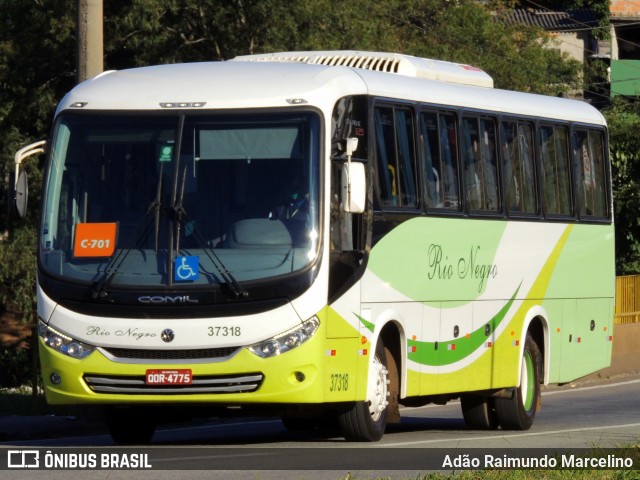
(613, 63)
(625, 48)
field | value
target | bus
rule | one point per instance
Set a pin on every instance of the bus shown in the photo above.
(324, 237)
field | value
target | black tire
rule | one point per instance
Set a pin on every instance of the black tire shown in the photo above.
(130, 426)
(479, 412)
(518, 411)
(366, 421)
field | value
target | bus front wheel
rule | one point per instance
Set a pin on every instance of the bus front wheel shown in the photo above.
(518, 411)
(366, 421)
(130, 425)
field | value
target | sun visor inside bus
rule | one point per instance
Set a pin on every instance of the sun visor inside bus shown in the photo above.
(243, 143)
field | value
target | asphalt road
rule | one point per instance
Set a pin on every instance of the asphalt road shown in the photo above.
(604, 415)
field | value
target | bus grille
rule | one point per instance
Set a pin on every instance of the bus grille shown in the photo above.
(136, 385)
(129, 354)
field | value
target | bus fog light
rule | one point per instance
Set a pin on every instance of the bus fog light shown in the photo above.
(287, 340)
(55, 379)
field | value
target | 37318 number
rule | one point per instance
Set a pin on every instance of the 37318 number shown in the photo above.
(225, 331)
(339, 382)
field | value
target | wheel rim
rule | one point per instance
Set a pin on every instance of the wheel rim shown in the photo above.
(527, 385)
(378, 389)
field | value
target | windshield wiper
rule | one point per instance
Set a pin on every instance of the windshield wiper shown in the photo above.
(181, 218)
(137, 237)
(156, 206)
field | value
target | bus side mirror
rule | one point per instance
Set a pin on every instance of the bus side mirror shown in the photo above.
(354, 187)
(20, 186)
(20, 194)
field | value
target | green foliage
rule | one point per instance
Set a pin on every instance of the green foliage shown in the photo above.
(37, 65)
(143, 32)
(623, 118)
(37, 56)
(18, 272)
(16, 367)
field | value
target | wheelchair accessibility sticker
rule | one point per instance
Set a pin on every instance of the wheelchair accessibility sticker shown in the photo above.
(185, 269)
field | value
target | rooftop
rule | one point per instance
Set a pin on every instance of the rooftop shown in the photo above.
(553, 21)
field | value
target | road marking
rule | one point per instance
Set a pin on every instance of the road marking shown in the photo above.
(595, 387)
(208, 456)
(506, 437)
(544, 394)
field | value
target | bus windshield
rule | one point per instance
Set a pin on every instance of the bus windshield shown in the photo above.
(161, 200)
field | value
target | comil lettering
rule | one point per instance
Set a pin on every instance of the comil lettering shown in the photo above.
(159, 300)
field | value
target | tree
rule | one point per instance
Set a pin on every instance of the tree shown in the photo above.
(142, 32)
(623, 118)
(37, 53)
(37, 64)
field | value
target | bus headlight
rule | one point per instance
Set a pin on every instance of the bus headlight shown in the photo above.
(286, 341)
(63, 343)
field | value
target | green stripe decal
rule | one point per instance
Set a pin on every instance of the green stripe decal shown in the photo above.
(446, 353)
(368, 325)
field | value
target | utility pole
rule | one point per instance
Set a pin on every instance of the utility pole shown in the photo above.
(90, 44)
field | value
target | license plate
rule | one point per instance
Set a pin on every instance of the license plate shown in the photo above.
(169, 377)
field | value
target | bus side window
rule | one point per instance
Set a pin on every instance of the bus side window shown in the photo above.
(479, 160)
(385, 150)
(554, 153)
(518, 167)
(438, 149)
(590, 176)
(396, 157)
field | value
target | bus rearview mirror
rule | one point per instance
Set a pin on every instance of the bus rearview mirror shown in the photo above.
(21, 191)
(21, 187)
(353, 187)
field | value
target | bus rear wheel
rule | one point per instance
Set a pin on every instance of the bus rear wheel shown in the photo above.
(518, 411)
(366, 421)
(479, 412)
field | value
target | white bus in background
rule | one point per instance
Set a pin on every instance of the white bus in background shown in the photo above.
(321, 236)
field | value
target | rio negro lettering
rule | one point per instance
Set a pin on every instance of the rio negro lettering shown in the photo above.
(465, 267)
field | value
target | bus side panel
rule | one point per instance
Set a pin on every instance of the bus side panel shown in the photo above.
(486, 281)
(346, 358)
(406, 316)
(581, 317)
(586, 338)
(556, 310)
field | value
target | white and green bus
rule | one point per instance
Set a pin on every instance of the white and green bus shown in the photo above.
(321, 236)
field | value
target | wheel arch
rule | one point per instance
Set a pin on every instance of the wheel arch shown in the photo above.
(393, 336)
(537, 325)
